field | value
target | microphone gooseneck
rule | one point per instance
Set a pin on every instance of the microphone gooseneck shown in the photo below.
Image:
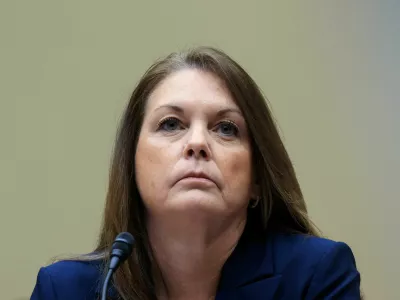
(121, 249)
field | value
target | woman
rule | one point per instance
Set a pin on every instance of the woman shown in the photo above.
(202, 180)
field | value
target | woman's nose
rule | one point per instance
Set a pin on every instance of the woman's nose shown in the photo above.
(197, 145)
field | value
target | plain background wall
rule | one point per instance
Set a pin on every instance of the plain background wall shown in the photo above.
(330, 70)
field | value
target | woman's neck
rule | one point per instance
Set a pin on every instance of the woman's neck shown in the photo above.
(191, 253)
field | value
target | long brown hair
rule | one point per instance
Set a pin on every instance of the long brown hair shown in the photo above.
(281, 207)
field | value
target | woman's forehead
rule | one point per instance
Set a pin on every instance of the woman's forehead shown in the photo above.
(189, 90)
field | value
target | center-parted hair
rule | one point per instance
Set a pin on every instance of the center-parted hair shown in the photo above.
(281, 205)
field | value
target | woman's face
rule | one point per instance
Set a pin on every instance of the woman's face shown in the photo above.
(193, 152)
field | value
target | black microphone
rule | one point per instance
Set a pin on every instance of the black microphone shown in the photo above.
(121, 249)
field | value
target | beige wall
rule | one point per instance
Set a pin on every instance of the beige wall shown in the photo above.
(331, 72)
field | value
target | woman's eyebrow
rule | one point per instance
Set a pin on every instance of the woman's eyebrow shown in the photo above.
(179, 109)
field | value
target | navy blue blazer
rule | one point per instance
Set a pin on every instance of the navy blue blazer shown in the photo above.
(279, 266)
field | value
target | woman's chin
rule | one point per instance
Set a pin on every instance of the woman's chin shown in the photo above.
(196, 201)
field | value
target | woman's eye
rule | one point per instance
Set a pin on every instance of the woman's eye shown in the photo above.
(228, 129)
(169, 124)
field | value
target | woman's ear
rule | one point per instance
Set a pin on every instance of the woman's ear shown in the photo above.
(255, 196)
(255, 192)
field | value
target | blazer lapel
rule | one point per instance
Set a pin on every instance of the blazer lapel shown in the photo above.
(249, 272)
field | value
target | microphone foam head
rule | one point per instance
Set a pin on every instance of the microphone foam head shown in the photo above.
(125, 237)
(123, 245)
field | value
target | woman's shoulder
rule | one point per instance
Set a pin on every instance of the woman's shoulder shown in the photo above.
(293, 265)
(67, 278)
(71, 269)
(289, 244)
(299, 241)
(307, 249)
(282, 248)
